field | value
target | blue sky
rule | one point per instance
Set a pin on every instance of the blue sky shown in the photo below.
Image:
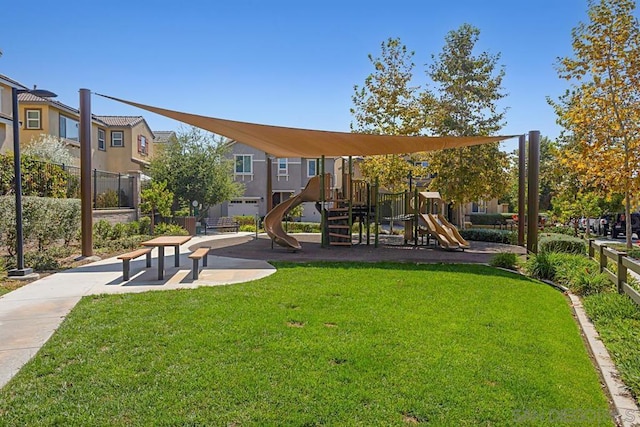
(288, 63)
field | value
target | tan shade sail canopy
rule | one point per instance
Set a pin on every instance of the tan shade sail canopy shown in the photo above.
(293, 142)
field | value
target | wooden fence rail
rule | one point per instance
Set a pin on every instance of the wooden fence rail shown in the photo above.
(602, 254)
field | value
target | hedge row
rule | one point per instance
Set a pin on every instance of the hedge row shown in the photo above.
(45, 220)
(552, 242)
(489, 219)
(489, 235)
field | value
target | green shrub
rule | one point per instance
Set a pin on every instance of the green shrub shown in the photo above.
(40, 179)
(302, 227)
(118, 231)
(132, 228)
(170, 229)
(541, 266)
(245, 220)
(489, 219)
(506, 260)
(488, 235)
(562, 229)
(589, 282)
(568, 265)
(120, 245)
(102, 230)
(70, 221)
(551, 242)
(41, 261)
(108, 199)
(45, 220)
(248, 227)
(577, 272)
(145, 225)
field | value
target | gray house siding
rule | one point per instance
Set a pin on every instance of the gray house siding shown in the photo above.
(288, 177)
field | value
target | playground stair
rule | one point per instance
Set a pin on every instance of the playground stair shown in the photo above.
(338, 225)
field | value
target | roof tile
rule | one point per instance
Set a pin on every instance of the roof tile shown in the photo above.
(121, 120)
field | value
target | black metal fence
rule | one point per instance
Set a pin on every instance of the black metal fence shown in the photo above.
(44, 179)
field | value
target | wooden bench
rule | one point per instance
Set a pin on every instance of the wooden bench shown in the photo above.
(126, 260)
(223, 223)
(200, 253)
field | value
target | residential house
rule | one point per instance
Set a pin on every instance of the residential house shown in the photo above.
(126, 144)
(288, 177)
(6, 113)
(162, 138)
(119, 143)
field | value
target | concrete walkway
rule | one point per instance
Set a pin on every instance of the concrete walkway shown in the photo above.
(31, 314)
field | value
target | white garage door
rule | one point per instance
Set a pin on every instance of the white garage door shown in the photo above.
(243, 208)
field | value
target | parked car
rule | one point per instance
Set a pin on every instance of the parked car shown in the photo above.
(604, 224)
(592, 223)
(619, 226)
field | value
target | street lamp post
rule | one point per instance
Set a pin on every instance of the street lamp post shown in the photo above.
(20, 269)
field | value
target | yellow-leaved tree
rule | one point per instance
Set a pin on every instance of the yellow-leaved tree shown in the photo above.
(600, 112)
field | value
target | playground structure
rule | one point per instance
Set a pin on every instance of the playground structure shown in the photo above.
(420, 212)
(285, 142)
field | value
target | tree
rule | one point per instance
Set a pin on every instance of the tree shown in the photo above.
(196, 167)
(469, 88)
(49, 148)
(387, 105)
(156, 198)
(601, 110)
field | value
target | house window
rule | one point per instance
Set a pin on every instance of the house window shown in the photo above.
(244, 163)
(117, 138)
(479, 207)
(312, 167)
(142, 145)
(33, 119)
(102, 145)
(69, 128)
(283, 167)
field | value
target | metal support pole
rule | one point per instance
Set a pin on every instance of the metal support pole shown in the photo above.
(20, 269)
(85, 172)
(95, 187)
(350, 197)
(533, 191)
(323, 223)
(522, 179)
(119, 203)
(377, 214)
(269, 185)
(416, 215)
(368, 213)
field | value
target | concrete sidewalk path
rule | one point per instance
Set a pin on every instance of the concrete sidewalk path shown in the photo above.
(31, 314)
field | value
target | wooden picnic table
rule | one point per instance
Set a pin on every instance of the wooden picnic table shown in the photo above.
(163, 241)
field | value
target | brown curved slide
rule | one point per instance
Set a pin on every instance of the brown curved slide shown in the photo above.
(273, 220)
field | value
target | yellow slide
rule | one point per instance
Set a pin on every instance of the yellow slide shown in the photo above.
(454, 231)
(446, 233)
(273, 220)
(437, 231)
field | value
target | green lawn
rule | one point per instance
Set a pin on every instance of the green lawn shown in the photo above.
(318, 344)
